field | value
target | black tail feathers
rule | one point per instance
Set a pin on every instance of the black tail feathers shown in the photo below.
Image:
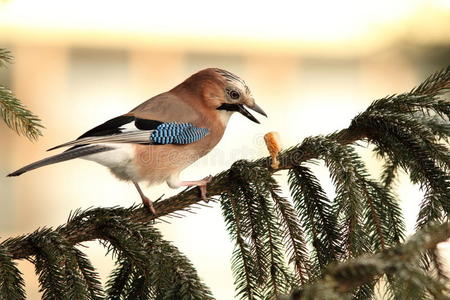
(67, 155)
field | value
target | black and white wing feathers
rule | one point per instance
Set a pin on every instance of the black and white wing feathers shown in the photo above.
(129, 129)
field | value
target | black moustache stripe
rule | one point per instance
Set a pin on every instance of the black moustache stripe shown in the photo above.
(229, 107)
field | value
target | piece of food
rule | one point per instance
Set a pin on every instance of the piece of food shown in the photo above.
(273, 144)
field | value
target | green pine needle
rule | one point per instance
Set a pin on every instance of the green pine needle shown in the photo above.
(317, 216)
(5, 57)
(293, 235)
(15, 115)
(147, 264)
(401, 262)
(12, 286)
(18, 117)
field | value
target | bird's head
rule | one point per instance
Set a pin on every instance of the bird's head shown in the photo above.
(225, 93)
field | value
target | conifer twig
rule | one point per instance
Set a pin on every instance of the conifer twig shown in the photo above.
(15, 115)
(343, 277)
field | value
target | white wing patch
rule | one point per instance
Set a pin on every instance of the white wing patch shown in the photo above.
(137, 137)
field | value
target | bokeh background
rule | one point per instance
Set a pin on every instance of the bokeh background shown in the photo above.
(312, 65)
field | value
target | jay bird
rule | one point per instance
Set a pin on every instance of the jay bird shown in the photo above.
(162, 136)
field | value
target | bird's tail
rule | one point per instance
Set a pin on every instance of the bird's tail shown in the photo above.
(67, 155)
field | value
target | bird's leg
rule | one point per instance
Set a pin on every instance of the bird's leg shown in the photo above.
(201, 185)
(147, 202)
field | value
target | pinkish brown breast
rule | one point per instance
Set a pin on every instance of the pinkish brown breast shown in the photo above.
(156, 163)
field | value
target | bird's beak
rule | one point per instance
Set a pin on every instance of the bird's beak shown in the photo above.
(241, 108)
(254, 107)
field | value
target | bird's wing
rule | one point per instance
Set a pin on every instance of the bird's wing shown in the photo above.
(129, 129)
(163, 119)
(167, 107)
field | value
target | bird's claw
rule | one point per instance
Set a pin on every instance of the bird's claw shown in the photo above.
(149, 205)
(202, 188)
(207, 179)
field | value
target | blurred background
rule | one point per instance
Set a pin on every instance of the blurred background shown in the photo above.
(312, 66)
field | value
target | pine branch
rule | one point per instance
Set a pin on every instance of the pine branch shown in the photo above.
(59, 274)
(141, 288)
(409, 143)
(389, 218)
(253, 223)
(317, 216)
(184, 282)
(5, 58)
(408, 129)
(258, 225)
(437, 83)
(280, 278)
(342, 278)
(372, 218)
(155, 263)
(293, 236)
(119, 280)
(346, 171)
(11, 282)
(365, 291)
(89, 275)
(390, 170)
(242, 262)
(15, 115)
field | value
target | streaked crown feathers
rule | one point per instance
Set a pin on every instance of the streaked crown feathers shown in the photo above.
(233, 79)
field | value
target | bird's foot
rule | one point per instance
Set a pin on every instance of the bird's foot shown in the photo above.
(148, 204)
(201, 185)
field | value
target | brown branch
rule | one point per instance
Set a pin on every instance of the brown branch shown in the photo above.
(73, 233)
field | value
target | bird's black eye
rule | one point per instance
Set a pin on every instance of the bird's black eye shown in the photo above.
(234, 95)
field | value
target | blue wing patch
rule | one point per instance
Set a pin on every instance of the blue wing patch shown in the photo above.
(177, 133)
